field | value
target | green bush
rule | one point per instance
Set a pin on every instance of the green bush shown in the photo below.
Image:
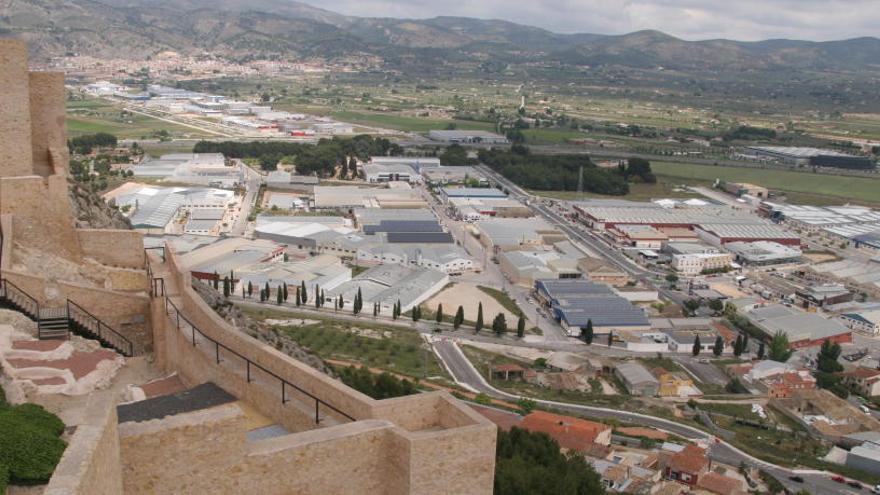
(4, 477)
(29, 444)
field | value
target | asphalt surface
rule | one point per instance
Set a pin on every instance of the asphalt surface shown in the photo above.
(254, 179)
(466, 375)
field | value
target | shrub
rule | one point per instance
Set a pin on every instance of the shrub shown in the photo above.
(29, 444)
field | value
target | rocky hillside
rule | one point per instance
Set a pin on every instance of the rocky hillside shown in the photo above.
(256, 329)
(92, 212)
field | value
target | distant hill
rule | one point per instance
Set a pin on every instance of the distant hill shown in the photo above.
(265, 28)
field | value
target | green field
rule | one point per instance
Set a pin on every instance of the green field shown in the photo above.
(405, 123)
(853, 188)
(92, 115)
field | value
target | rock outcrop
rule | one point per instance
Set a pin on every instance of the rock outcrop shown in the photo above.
(92, 212)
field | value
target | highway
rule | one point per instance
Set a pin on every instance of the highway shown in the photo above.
(467, 376)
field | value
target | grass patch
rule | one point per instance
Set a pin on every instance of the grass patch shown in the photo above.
(406, 123)
(30, 446)
(380, 346)
(852, 188)
(503, 299)
(93, 115)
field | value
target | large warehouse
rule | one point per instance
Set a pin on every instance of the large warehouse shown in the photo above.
(467, 137)
(575, 302)
(815, 157)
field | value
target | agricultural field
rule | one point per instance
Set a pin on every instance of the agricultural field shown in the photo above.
(861, 189)
(90, 116)
(406, 123)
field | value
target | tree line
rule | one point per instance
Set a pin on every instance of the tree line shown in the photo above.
(561, 172)
(321, 158)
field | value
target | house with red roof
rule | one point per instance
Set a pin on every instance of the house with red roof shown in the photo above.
(863, 381)
(687, 466)
(571, 433)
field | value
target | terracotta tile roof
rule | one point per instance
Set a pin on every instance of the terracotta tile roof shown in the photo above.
(691, 460)
(503, 419)
(720, 484)
(862, 373)
(571, 433)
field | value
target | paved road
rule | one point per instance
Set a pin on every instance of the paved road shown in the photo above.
(252, 180)
(467, 376)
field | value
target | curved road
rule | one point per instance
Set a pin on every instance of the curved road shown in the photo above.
(466, 375)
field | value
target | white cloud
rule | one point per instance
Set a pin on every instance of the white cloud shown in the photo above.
(689, 19)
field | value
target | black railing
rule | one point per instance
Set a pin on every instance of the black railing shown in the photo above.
(153, 248)
(19, 299)
(93, 325)
(182, 322)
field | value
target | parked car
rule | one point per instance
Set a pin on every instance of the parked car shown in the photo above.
(855, 484)
(796, 479)
(838, 479)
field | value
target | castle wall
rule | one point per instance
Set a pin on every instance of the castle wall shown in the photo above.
(15, 125)
(47, 111)
(207, 452)
(122, 248)
(91, 463)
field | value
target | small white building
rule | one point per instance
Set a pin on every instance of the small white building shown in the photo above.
(867, 322)
(696, 263)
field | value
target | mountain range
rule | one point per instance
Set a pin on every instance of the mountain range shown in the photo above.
(246, 29)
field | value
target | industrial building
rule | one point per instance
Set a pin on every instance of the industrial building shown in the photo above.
(204, 221)
(719, 234)
(802, 329)
(281, 180)
(511, 234)
(229, 255)
(574, 303)
(208, 169)
(321, 272)
(762, 253)
(448, 193)
(525, 267)
(637, 379)
(388, 284)
(467, 137)
(152, 209)
(390, 172)
(454, 175)
(473, 209)
(864, 322)
(804, 156)
(447, 258)
(365, 217)
(346, 197)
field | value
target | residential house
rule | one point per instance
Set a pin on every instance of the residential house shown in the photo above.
(863, 381)
(722, 485)
(784, 384)
(571, 433)
(687, 466)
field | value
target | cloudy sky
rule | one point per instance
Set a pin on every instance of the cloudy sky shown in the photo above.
(689, 19)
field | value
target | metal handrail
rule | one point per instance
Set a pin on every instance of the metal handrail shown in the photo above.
(114, 338)
(34, 308)
(249, 363)
(146, 249)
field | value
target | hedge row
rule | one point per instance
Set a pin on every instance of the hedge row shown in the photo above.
(30, 446)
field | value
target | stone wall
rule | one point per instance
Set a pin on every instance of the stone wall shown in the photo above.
(15, 115)
(433, 444)
(91, 463)
(127, 313)
(207, 452)
(47, 104)
(122, 248)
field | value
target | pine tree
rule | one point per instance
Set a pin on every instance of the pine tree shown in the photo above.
(479, 324)
(439, 316)
(521, 327)
(303, 293)
(459, 318)
(279, 295)
(250, 290)
(588, 335)
(718, 348)
(284, 288)
(499, 324)
(697, 346)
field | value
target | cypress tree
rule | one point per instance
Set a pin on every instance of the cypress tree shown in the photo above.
(745, 346)
(341, 302)
(298, 297)
(216, 281)
(268, 290)
(761, 350)
(250, 290)
(415, 313)
(718, 348)
(317, 302)
(322, 298)
(459, 318)
(610, 338)
(226, 287)
(588, 337)
(479, 324)
(738, 346)
(279, 295)
(439, 316)
(303, 293)
(697, 346)
(284, 288)
(243, 292)
(521, 327)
